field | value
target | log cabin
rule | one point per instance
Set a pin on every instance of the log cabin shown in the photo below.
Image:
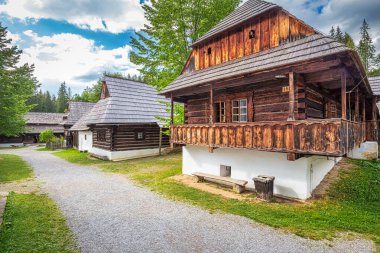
(267, 94)
(36, 123)
(124, 124)
(75, 111)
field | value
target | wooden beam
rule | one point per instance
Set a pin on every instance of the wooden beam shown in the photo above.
(374, 108)
(171, 109)
(292, 97)
(357, 104)
(344, 94)
(363, 110)
(323, 76)
(160, 142)
(212, 113)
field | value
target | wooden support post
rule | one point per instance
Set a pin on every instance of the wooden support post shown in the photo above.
(212, 116)
(363, 109)
(171, 118)
(292, 97)
(344, 94)
(357, 105)
(374, 109)
(160, 142)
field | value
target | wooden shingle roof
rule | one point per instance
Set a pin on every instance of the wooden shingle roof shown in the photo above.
(76, 111)
(128, 102)
(311, 47)
(374, 81)
(37, 122)
(246, 11)
(81, 124)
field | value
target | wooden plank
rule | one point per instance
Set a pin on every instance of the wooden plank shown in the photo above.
(201, 57)
(247, 40)
(257, 41)
(212, 55)
(218, 51)
(292, 97)
(225, 48)
(274, 30)
(240, 42)
(206, 56)
(344, 95)
(232, 46)
(284, 27)
(264, 30)
(196, 58)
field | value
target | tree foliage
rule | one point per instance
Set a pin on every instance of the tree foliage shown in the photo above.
(162, 47)
(17, 85)
(366, 47)
(43, 102)
(63, 97)
(46, 136)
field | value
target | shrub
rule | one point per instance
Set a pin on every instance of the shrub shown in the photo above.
(47, 136)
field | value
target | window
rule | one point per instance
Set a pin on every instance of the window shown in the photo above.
(220, 112)
(209, 51)
(85, 137)
(101, 135)
(139, 135)
(252, 34)
(239, 110)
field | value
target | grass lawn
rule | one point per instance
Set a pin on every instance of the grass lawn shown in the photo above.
(354, 203)
(12, 168)
(74, 156)
(7, 148)
(33, 223)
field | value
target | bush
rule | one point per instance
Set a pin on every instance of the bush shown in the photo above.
(47, 136)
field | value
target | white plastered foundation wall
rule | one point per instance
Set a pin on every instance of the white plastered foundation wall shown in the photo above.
(295, 179)
(124, 155)
(84, 141)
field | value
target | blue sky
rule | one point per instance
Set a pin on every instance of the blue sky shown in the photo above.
(76, 40)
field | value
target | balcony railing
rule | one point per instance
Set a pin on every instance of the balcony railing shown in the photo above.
(333, 137)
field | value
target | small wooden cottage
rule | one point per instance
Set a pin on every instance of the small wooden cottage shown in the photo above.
(267, 94)
(36, 122)
(124, 123)
(76, 110)
(82, 134)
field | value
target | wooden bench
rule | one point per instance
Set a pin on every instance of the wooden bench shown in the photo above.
(237, 185)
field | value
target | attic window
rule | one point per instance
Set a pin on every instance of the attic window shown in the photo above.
(209, 51)
(252, 34)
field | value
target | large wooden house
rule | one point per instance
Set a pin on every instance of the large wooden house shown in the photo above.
(124, 122)
(36, 123)
(266, 93)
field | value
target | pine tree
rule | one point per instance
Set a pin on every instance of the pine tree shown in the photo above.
(164, 45)
(366, 47)
(62, 99)
(17, 86)
(332, 32)
(339, 35)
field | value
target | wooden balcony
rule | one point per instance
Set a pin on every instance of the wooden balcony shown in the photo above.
(332, 137)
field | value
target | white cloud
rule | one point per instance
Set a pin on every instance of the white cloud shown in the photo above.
(74, 59)
(14, 37)
(348, 14)
(113, 16)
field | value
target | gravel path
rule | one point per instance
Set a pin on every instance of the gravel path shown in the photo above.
(110, 214)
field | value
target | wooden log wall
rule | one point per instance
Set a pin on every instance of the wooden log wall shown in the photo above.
(102, 144)
(272, 29)
(327, 137)
(197, 111)
(124, 137)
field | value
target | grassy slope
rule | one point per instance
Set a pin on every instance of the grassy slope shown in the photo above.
(12, 168)
(33, 223)
(354, 204)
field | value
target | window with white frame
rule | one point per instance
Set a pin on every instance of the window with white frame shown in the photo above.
(239, 110)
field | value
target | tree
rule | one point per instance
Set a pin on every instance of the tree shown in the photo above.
(349, 41)
(162, 47)
(17, 85)
(339, 35)
(62, 99)
(332, 32)
(178, 113)
(46, 136)
(366, 47)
